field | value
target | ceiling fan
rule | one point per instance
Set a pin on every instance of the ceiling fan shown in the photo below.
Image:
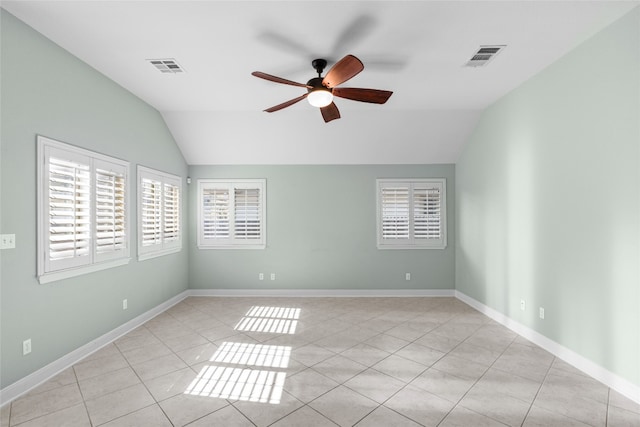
(321, 90)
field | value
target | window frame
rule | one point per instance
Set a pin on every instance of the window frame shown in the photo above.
(231, 185)
(411, 242)
(49, 270)
(164, 246)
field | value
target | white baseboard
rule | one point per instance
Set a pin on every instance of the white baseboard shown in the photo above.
(38, 377)
(322, 293)
(619, 384)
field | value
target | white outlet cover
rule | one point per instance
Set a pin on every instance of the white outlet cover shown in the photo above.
(8, 241)
(26, 347)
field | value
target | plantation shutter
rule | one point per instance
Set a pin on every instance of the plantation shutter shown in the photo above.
(69, 210)
(151, 211)
(159, 230)
(171, 213)
(426, 208)
(231, 214)
(395, 212)
(215, 214)
(110, 205)
(82, 211)
(411, 214)
(247, 213)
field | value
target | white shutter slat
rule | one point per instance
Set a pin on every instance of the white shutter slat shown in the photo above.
(395, 212)
(247, 214)
(426, 208)
(69, 209)
(171, 220)
(151, 211)
(110, 211)
(216, 211)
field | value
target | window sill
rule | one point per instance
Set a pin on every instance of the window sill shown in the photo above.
(206, 247)
(55, 276)
(411, 247)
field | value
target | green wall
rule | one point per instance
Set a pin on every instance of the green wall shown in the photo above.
(47, 91)
(548, 202)
(321, 233)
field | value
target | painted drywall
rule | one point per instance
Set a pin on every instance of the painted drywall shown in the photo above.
(441, 135)
(47, 91)
(548, 202)
(321, 232)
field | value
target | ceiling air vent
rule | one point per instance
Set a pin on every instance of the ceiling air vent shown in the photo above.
(166, 65)
(484, 55)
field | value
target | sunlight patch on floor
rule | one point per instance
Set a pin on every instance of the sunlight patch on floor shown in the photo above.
(272, 356)
(238, 384)
(277, 320)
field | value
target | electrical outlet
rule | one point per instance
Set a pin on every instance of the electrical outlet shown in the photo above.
(124, 304)
(542, 312)
(522, 305)
(8, 241)
(261, 276)
(26, 347)
(407, 276)
(273, 276)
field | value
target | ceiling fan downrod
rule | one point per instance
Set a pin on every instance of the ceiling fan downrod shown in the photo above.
(319, 65)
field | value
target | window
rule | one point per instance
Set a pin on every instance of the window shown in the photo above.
(159, 201)
(231, 214)
(411, 213)
(83, 211)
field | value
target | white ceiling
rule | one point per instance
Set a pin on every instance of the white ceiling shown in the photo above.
(415, 48)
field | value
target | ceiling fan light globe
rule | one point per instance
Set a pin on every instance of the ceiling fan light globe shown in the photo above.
(320, 98)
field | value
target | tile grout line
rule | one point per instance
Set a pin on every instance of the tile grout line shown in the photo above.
(175, 319)
(385, 358)
(538, 391)
(157, 403)
(84, 402)
(476, 382)
(394, 353)
(409, 383)
(606, 416)
(52, 412)
(141, 382)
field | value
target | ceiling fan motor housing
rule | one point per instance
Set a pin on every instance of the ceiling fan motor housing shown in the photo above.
(316, 83)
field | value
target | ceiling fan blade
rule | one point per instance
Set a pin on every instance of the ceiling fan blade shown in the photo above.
(356, 31)
(277, 79)
(285, 43)
(330, 112)
(286, 104)
(374, 96)
(342, 71)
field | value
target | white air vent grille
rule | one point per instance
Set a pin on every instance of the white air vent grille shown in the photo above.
(166, 65)
(483, 55)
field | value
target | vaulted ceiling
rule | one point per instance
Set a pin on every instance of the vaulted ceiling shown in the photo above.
(417, 49)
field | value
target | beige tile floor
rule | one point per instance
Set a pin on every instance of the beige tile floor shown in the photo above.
(321, 362)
